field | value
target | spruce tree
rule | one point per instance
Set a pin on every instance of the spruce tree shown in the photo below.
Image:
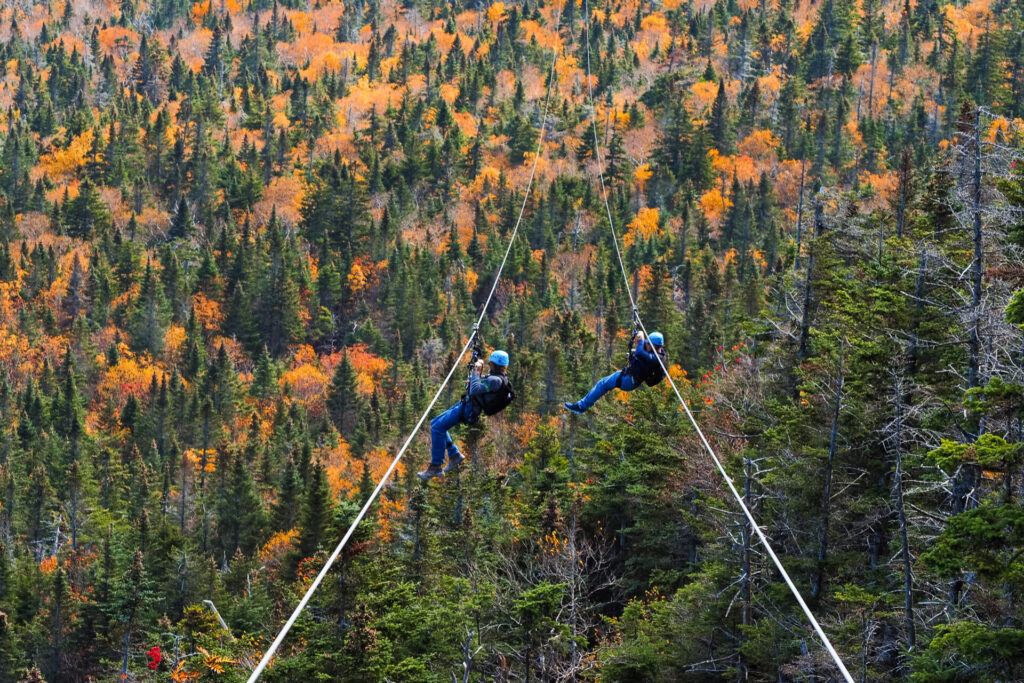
(86, 215)
(287, 498)
(343, 400)
(316, 512)
(150, 316)
(278, 306)
(182, 227)
(720, 123)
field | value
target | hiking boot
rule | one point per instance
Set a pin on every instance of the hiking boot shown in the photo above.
(431, 472)
(575, 408)
(453, 463)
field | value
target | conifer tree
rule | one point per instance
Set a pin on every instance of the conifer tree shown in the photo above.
(720, 123)
(86, 215)
(8, 649)
(287, 498)
(343, 400)
(316, 511)
(240, 517)
(182, 227)
(150, 316)
(278, 307)
(522, 138)
(132, 597)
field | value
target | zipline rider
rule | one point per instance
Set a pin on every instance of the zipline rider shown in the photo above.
(643, 368)
(488, 395)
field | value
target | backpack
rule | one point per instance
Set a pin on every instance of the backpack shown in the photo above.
(495, 400)
(643, 373)
(657, 374)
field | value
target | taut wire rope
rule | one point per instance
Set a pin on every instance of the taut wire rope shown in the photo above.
(269, 654)
(711, 451)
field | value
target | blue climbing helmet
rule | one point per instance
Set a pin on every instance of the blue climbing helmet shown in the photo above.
(499, 358)
(657, 339)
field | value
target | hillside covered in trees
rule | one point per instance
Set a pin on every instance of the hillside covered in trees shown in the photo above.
(242, 243)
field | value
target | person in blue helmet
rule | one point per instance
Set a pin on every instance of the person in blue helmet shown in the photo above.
(487, 395)
(643, 368)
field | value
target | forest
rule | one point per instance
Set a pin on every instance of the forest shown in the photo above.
(242, 243)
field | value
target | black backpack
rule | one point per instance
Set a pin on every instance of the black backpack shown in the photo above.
(658, 373)
(495, 400)
(645, 373)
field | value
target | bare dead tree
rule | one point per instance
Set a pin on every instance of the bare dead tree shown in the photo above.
(568, 557)
(826, 501)
(894, 444)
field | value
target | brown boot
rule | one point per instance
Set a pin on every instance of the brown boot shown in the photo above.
(431, 472)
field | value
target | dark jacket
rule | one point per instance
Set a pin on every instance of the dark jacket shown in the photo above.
(478, 386)
(644, 364)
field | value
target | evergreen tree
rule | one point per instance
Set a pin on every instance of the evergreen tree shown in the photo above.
(522, 138)
(240, 515)
(720, 123)
(343, 400)
(278, 307)
(182, 227)
(77, 299)
(316, 512)
(86, 215)
(150, 315)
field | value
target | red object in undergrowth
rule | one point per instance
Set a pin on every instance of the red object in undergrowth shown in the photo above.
(154, 657)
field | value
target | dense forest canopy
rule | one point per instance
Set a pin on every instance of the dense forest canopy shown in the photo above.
(242, 242)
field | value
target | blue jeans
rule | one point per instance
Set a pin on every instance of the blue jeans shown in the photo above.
(605, 385)
(440, 440)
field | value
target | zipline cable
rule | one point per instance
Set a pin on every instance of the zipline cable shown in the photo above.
(269, 654)
(718, 463)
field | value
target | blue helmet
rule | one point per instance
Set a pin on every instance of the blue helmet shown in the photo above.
(499, 358)
(657, 339)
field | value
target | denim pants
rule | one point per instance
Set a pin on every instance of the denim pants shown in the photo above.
(605, 385)
(440, 440)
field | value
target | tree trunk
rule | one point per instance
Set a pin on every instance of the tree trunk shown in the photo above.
(549, 381)
(74, 515)
(342, 622)
(127, 642)
(871, 84)
(905, 170)
(58, 626)
(202, 469)
(747, 619)
(901, 513)
(805, 322)
(826, 504)
(881, 240)
(918, 307)
(184, 490)
(574, 596)
(973, 378)
(799, 215)
(182, 584)
(964, 480)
